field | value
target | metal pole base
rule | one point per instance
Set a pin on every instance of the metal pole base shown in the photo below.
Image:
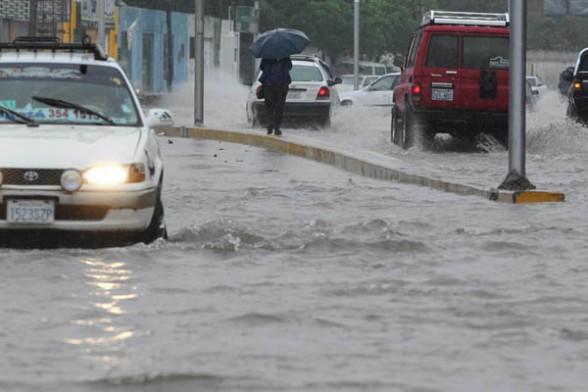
(515, 182)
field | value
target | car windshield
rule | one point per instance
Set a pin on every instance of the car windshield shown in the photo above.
(66, 90)
(306, 73)
(385, 83)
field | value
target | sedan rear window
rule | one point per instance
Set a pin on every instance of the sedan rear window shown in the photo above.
(305, 73)
(485, 52)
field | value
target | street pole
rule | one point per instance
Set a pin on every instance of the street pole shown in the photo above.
(516, 179)
(101, 32)
(33, 18)
(356, 46)
(199, 64)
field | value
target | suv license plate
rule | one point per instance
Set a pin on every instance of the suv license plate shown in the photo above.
(442, 94)
(30, 211)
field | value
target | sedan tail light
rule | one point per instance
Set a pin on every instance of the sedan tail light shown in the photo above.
(324, 93)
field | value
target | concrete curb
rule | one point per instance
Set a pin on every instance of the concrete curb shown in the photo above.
(364, 163)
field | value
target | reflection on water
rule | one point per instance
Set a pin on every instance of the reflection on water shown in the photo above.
(108, 283)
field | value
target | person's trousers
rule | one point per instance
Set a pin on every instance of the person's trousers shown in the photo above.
(275, 98)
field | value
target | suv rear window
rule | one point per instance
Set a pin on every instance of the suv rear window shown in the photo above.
(442, 51)
(485, 52)
(306, 73)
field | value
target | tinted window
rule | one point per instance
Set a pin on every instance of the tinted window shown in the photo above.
(442, 51)
(305, 73)
(485, 52)
(412, 51)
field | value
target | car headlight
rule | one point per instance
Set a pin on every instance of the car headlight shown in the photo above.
(71, 180)
(115, 174)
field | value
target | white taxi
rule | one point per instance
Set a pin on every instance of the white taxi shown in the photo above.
(77, 154)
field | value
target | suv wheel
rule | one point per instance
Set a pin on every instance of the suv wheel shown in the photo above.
(407, 131)
(394, 127)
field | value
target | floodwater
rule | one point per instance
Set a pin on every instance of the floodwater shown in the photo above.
(282, 274)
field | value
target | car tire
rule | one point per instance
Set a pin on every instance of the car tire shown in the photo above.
(157, 228)
(395, 127)
(407, 131)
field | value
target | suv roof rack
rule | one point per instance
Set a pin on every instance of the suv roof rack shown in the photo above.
(36, 44)
(465, 18)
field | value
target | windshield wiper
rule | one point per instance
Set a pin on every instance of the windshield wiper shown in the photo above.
(59, 103)
(23, 119)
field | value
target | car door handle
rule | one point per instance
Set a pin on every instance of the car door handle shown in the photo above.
(451, 72)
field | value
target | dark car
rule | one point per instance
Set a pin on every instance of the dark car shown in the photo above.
(578, 90)
(455, 79)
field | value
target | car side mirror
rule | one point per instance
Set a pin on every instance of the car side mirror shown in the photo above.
(567, 76)
(160, 118)
(335, 81)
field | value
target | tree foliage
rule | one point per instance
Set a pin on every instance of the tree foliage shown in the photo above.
(386, 25)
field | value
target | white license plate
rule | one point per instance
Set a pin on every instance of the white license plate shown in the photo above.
(294, 95)
(442, 94)
(30, 211)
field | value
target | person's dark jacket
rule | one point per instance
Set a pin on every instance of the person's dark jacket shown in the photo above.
(276, 72)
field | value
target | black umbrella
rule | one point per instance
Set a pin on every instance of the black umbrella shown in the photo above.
(279, 43)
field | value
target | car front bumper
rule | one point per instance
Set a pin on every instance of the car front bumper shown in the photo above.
(87, 211)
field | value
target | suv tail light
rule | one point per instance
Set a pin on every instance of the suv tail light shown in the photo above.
(324, 93)
(416, 92)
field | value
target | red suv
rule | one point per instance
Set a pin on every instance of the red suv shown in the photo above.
(454, 80)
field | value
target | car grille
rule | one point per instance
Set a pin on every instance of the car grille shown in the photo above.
(71, 213)
(28, 177)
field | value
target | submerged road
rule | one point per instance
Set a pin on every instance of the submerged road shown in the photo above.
(285, 275)
(282, 274)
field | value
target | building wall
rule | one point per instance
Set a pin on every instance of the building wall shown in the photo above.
(14, 9)
(137, 22)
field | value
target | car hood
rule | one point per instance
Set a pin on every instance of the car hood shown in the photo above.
(65, 146)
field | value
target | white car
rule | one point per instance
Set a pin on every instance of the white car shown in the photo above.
(77, 153)
(348, 82)
(311, 96)
(379, 93)
(537, 84)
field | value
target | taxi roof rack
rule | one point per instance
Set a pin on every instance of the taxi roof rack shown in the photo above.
(52, 44)
(466, 18)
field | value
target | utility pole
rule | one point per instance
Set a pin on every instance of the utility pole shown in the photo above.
(101, 30)
(199, 64)
(356, 45)
(170, 47)
(33, 18)
(516, 179)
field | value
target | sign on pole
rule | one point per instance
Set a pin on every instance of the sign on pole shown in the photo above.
(246, 19)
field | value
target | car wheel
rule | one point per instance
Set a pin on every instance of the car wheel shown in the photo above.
(407, 131)
(395, 127)
(157, 228)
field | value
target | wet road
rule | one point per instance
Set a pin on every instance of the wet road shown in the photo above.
(285, 275)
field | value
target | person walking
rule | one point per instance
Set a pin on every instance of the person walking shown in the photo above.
(275, 79)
